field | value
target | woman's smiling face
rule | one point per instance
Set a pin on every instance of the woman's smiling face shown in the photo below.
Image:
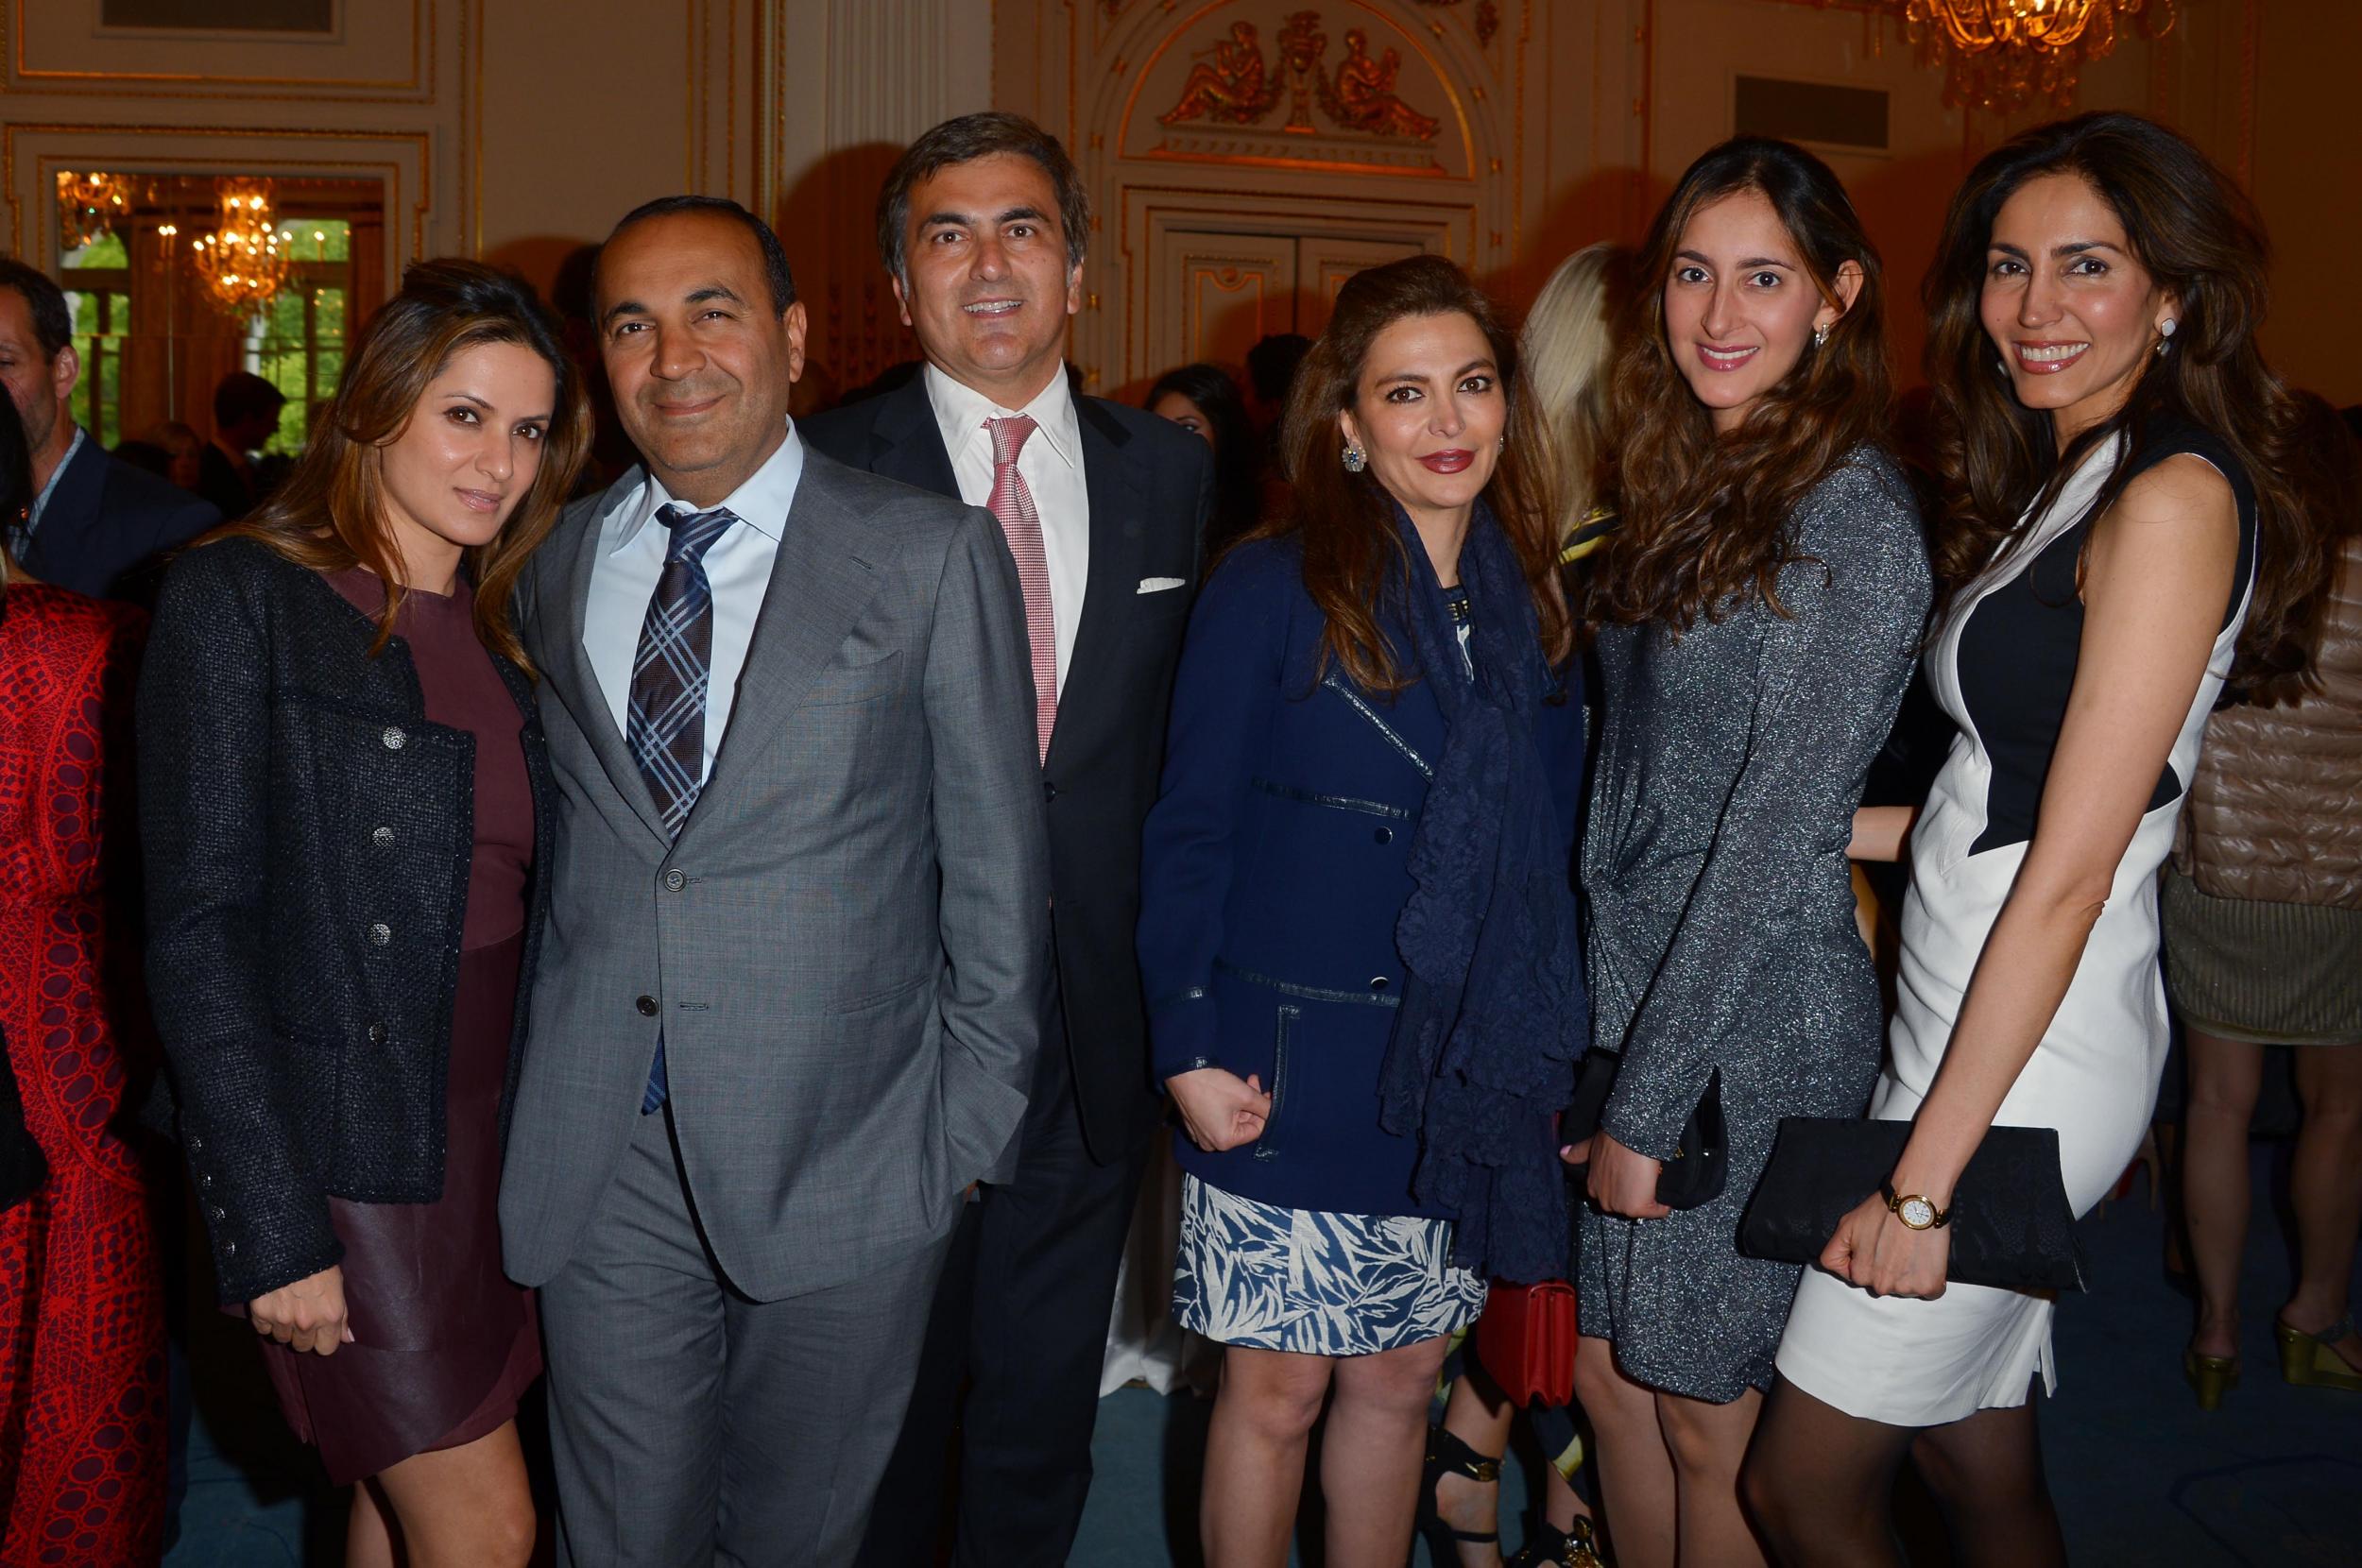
(2072, 312)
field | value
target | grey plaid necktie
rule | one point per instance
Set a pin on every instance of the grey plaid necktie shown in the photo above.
(669, 681)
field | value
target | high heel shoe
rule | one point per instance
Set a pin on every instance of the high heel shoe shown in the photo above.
(2311, 1360)
(1446, 1454)
(2211, 1376)
(1547, 1547)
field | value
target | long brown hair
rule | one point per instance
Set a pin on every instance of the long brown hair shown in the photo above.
(2200, 238)
(1353, 557)
(1706, 516)
(330, 515)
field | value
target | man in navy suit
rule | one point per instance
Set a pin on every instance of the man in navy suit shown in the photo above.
(982, 225)
(97, 525)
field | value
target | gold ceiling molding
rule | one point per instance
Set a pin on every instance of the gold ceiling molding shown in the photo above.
(26, 76)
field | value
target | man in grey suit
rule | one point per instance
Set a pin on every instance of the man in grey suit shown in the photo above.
(790, 998)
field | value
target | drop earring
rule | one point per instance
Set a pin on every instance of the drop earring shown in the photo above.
(1821, 334)
(2165, 333)
(1356, 459)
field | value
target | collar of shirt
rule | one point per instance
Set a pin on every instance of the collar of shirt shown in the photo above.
(41, 502)
(961, 412)
(761, 503)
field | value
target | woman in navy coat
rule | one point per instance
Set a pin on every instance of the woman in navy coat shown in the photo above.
(1357, 929)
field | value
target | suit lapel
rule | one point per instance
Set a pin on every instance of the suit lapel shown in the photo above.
(905, 443)
(565, 598)
(822, 579)
(1113, 480)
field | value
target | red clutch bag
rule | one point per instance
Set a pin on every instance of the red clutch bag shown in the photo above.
(1526, 1341)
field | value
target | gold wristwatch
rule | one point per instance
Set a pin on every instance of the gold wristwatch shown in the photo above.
(1911, 1209)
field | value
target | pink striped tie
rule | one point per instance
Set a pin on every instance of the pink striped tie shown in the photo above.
(1013, 504)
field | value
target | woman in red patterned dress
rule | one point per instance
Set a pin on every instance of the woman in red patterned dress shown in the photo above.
(81, 1297)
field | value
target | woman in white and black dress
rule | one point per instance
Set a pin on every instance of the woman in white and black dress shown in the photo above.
(2124, 532)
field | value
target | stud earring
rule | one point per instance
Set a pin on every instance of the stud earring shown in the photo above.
(1501, 445)
(2165, 333)
(1821, 334)
(1356, 459)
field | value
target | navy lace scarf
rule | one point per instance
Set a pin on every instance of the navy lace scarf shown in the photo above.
(1492, 1019)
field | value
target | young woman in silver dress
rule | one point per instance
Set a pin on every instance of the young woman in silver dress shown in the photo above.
(2124, 531)
(1760, 604)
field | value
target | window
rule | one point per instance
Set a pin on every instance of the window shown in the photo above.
(298, 344)
(98, 280)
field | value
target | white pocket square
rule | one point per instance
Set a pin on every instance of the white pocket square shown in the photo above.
(1158, 584)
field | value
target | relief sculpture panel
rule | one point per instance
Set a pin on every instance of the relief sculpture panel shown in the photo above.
(1342, 87)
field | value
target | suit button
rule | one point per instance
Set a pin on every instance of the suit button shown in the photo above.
(377, 1034)
(676, 879)
(646, 1006)
(1384, 835)
(1377, 983)
(380, 933)
(395, 740)
(1049, 791)
(205, 1181)
(221, 1213)
(383, 837)
(229, 1248)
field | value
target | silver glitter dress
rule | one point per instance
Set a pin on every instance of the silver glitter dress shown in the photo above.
(1721, 932)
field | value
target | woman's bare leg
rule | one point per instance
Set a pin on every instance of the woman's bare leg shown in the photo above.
(1372, 1451)
(2325, 1188)
(1708, 1444)
(468, 1506)
(2225, 1076)
(1637, 1496)
(1255, 1455)
(369, 1533)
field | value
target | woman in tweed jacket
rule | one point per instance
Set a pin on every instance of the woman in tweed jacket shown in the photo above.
(344, 800)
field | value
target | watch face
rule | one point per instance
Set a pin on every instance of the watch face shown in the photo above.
(1918, 1213)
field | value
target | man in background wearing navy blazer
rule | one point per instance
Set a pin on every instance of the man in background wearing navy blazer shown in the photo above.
(982, 225)
(98, 524)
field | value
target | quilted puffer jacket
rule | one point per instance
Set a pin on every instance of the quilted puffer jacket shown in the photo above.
(2276, 811)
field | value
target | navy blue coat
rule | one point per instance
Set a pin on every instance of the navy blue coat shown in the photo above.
(108, 526)
(1273, 869)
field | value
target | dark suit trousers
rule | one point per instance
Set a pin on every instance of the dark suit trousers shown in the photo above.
(1021, 1313)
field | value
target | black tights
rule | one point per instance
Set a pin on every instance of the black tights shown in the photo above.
(1821, 1485)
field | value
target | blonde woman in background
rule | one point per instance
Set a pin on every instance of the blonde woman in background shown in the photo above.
(1566, 343)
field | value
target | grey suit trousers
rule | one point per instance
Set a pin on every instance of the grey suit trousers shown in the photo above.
(693, 1425)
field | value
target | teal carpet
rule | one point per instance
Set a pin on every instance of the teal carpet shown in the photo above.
(2142, 1476)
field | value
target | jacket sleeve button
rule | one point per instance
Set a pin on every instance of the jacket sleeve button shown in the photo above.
(383, 837)
(380, 933)
(395, 740)
(676, 879)
(646, 1006)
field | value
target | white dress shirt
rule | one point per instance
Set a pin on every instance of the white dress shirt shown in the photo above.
(738, 565)
(1052, 466)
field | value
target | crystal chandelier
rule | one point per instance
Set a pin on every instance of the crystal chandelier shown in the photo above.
(88, 207)
(242, 264)
(2003, 54)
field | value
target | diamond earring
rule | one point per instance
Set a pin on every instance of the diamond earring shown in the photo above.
(1356, 459)
(1821, 334)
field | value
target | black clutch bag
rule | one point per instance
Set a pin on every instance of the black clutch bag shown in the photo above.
(2010, 1226)
(1695, 1173)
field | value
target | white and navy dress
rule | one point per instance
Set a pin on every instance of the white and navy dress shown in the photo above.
(2002, 665)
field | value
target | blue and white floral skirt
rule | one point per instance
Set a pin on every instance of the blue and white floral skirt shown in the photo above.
(1273, 1278)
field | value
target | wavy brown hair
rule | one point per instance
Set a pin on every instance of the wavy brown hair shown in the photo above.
(1354, 558)
(2199, 236)
(1706, 516)
(330, 515)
